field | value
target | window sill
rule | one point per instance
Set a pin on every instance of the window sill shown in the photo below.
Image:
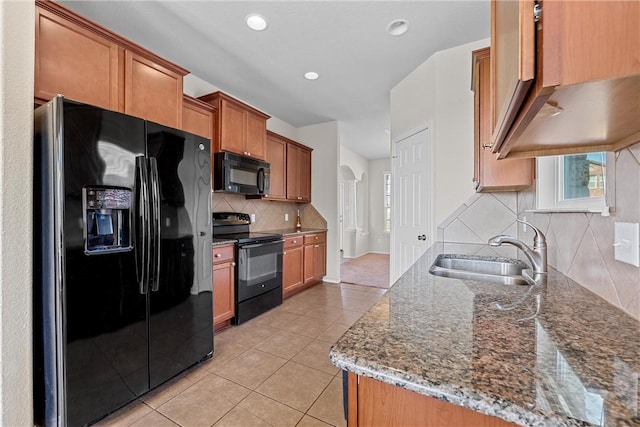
(602, 211)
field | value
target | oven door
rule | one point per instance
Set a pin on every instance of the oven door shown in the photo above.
(259, 268)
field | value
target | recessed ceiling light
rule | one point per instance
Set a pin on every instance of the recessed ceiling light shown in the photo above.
(311, 75)
(398, 27)
(256, 22)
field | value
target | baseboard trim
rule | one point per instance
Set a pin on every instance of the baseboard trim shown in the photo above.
(329, 280)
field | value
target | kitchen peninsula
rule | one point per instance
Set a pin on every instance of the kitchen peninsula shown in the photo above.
(536, 356)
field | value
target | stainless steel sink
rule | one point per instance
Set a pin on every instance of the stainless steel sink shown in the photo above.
(489, 269)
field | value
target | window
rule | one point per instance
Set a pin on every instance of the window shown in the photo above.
(387, 202)
(573, 182)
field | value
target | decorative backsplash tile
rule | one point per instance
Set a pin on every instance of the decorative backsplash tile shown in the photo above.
(269, 214)
(580, 245)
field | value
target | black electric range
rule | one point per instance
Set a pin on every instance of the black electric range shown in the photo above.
(258, 278)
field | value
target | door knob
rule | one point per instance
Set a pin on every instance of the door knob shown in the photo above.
(422, 237)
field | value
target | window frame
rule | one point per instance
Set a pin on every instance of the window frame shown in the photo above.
(386, 197)
(550, 184)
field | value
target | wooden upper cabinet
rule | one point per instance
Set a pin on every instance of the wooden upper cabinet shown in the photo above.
(197, 117)
(238, 128)
(74, 61)
(256, 139)
(491, 174)
(88, 63)
(298, 173)
(585, 90)
(277, 158)
(513, 42)
(152, 92)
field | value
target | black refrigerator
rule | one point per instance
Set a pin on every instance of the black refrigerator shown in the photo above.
(122, 259)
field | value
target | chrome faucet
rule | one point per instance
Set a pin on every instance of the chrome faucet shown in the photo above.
(537, 255)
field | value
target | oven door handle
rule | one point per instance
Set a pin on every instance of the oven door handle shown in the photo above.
(258, 245)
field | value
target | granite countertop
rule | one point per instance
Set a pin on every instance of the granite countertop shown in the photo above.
(553, 354)
(293, 231)
(220, 242)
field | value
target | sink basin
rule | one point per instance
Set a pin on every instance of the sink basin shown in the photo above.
(507, 271)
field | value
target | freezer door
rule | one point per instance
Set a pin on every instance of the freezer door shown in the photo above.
(181, 319)
(106, 353)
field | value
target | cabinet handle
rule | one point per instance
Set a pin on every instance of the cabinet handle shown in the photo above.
(295, 241)
(316, 237)
(248, 154)
(233, 264)
(217, 255)
(284, 253)
(485, 146)
(316, 246)
(299, 197)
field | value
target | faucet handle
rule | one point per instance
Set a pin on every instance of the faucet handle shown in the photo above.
(539, 239)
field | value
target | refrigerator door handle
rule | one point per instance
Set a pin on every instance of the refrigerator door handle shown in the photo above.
(155, 225)
(142, 250)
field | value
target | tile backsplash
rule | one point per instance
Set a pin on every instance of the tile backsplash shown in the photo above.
(269, 214)
(580, 245)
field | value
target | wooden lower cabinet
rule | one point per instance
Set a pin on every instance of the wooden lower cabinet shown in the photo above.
(223, 285)
(374, 403)
(314, 257)
(303, 262)
(292, 265)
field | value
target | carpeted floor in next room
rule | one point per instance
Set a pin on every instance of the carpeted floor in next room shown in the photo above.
(367, 270)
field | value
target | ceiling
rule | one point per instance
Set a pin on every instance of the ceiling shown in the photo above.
(345, 42)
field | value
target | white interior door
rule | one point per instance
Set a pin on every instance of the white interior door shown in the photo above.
(412, 215)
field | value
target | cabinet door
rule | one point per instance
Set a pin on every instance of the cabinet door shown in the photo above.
(197, 117)
(293, 185)
(255, 136)
(320, 260)
(277, 158)
(309, 263)
(492, 174)
(232, 128)
(152, 91)
(304, 175)
(223, 277)
(293, 267)
(512, 61)
(75, 62)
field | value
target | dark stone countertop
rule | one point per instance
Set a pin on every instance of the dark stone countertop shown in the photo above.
(292, 231)
(554, 355)
(221, 242)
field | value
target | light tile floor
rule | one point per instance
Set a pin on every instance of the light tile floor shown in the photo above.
(271, 371)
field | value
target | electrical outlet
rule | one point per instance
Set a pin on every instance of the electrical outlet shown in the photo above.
(253, 217)
(626, 242)
(286, 217)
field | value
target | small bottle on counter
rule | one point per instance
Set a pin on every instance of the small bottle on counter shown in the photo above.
(298, 221)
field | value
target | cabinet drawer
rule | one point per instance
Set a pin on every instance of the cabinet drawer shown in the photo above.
(311, 239)
(293, 241)
(222, 253)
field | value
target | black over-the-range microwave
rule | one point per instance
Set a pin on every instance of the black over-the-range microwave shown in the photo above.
(242, 175)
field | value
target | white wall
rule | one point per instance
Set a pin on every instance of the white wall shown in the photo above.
(439, 90)
(17, 52)
(378, 240)
(324, 140)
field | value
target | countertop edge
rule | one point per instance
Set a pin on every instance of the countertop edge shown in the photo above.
(459, 396)
(447, 392)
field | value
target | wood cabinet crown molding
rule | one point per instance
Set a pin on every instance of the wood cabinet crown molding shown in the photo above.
(98, 29)
(216, 98)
